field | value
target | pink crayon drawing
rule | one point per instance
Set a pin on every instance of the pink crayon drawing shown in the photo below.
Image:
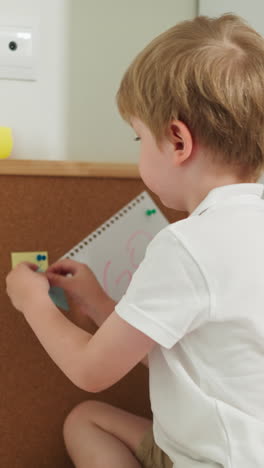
(126, 273)
(131, 249)
(123, 274)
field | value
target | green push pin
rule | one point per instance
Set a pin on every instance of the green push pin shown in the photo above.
(150, 212)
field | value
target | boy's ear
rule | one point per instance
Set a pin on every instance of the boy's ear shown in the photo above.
(181, 138)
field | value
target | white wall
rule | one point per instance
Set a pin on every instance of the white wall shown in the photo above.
(85, 47)
(36, 111)
(252, 10)
(106, 35)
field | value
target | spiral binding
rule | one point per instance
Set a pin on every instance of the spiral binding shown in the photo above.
(106, 225)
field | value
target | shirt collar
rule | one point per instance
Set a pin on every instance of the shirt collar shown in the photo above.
(226, 192)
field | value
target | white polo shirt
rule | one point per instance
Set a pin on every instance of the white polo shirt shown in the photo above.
(199, 293)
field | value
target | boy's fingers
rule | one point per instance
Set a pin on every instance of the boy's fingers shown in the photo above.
(57, 270)
(63, 267)
(55, 280)
(32, 266)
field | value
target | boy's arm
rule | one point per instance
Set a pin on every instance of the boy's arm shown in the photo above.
(145, 361)
(91, 362)
(63, 340)
(115, 349)
(103, 312)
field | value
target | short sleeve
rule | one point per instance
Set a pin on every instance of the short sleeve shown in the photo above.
(168, 295)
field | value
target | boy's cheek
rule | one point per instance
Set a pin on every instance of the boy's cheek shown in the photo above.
(145, 174)
(142, 169)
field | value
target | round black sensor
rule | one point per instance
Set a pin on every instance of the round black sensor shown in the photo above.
(12, 45)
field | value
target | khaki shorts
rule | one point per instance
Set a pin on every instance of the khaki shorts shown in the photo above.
(150, 455)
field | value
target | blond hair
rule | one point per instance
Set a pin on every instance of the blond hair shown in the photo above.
(208, 73)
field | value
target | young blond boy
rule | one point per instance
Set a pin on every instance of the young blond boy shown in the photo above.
(195, 98)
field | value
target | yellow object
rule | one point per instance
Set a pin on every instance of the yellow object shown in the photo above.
(6, 142)
(32, 257)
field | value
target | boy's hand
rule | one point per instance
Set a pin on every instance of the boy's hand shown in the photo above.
(82, 286)
(24, 284)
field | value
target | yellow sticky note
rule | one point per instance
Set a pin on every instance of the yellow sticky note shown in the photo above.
(39, 258)
(6, 142)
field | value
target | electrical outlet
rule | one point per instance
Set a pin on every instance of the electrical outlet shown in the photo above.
(18, 52)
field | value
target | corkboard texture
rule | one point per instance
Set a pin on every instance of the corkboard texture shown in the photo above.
(51, 214)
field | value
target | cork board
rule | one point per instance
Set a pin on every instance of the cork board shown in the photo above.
(45, 213)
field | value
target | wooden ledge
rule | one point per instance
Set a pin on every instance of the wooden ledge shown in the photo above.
(29, 167)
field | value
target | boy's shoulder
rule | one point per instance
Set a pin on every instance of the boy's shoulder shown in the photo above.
(227, 214)
(224, 226)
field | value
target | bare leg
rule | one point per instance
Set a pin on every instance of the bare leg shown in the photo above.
(98, 435)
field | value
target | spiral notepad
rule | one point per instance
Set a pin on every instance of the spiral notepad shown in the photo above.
(116, 248)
